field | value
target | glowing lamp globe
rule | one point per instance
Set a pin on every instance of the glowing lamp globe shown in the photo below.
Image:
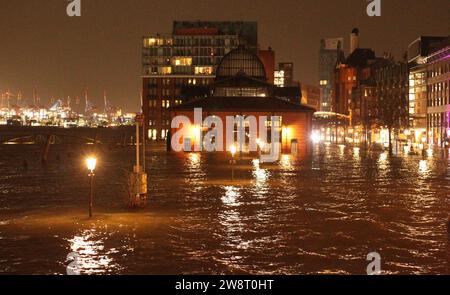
(91, 163)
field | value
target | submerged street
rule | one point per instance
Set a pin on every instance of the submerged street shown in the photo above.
(319, 216)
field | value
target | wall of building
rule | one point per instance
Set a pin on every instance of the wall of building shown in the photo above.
(344, 81)
(438, 98)
(268, 59)
(311, 96)
(295, 125)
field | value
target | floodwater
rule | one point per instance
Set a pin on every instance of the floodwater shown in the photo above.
(318, 216)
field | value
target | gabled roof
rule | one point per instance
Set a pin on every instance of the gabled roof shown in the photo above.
(243, 104)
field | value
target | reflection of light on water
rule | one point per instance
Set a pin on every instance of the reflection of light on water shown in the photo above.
(423, 167)
(230, 221)
(341, 149)
(356, 152)
(92, 257)
(230, 197)
(194, 168)
(286, 162)
(382, 161)
(383, 158)
(260, 175)
(194, 161)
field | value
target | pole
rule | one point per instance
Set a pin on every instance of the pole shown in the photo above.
(137, 147)
(144, 143)
(232, 169)
(91, 197)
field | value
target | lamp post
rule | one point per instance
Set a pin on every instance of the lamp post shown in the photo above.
(233, 161)
(91, 162)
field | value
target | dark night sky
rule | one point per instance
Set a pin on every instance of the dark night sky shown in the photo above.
(42, 48)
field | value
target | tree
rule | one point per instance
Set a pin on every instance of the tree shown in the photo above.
(391, 97)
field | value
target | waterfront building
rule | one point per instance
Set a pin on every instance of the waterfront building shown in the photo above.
(392, 91)
(331, 51)
(241, 88)
(438, 95)
(187, 57)
(418, 51)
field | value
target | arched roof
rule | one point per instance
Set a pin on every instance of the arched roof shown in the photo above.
(241, 62)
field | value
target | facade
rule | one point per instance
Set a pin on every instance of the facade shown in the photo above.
(278, 78)
(188, 57)
(331, 52)
(438, 96)
(353, 75)
(311, 96)
(268, 59)
(392, 91)
(288, 71)
(241, 88)
(343, 84)
(417, 53)
(364, 107)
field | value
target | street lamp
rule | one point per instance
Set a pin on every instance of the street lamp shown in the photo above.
(91, 163)
(233, 161)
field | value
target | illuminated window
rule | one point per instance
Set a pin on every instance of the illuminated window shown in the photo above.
(165, 70)
(279, 78)
(182, 61)
(203, 70)
(323, 82)
(148, 42)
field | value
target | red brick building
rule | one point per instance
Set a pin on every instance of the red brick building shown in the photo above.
(241, 89)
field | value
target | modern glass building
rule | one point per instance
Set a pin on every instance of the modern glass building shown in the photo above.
(438, 96)
(418, 94)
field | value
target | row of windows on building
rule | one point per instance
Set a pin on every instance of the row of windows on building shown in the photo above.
(438, 94)
(224, 41)
(180, 40)
(204, 67)
(153, 82)
(153, 123)
(165, 52)
(438, 70)
(165, 103)
(153, 134)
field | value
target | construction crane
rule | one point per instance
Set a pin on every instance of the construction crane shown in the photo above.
(8, 95)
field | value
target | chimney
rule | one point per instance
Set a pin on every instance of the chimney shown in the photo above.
(354, 40)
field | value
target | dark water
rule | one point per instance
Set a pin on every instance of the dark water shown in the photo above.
(323, 215)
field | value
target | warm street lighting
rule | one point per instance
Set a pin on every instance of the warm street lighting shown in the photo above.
(91, 163)
(233, 150)
(233, 161)
(260, 145)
